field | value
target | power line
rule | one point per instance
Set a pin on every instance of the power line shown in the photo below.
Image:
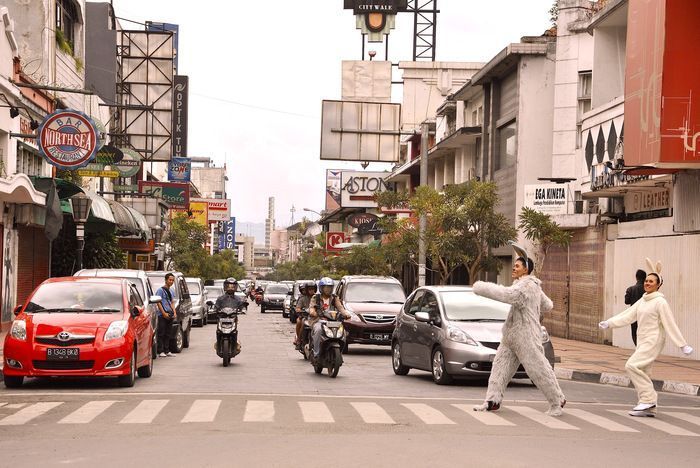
(251, 106)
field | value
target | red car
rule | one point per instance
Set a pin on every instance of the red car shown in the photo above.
(78, 326)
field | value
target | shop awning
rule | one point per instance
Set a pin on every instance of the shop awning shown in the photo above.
(99, 210)
(65, 188)
(141, 222)
(126, 224)
(18, 188)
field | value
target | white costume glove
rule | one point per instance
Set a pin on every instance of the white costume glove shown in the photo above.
(687, 350)
(604, 325)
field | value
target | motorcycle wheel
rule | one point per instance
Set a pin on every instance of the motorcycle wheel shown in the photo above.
(335, 363)
(318, 368)
(226, 353)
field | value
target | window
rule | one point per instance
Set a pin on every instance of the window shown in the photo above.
(585, 81)
(381, 293)
(475, 118)
(480, 116)
(415, 303)
(506, 146)
(477, 158)
(430, 305)
(28, 162)
(66, 20)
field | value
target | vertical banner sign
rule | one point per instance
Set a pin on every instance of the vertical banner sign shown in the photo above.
(179, 169)
(180, 102)
(227, 237)
(332, 189)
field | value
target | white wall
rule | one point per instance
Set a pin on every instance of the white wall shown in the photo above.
(608, 64)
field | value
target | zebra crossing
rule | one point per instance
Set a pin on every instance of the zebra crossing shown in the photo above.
(373, 413)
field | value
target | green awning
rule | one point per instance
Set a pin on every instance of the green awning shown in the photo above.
(65, 188)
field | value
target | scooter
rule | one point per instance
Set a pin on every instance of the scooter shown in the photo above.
(332, 344)
(227, 345)
(304, 346)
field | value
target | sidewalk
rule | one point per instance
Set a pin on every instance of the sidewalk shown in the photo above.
(604, 364)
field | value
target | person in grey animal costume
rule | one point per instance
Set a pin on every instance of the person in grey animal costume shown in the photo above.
(522, 337)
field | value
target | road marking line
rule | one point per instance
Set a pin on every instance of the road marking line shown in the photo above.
(658, 424)
(29, 413)
(485, 417)
(259, 411)
(372, 413)
(16, 405)
(202, 411)
(87, 412)
(145, 412)
(685, 417)
(427, 414)
(541, 418)
(599, 421)
(315, 412)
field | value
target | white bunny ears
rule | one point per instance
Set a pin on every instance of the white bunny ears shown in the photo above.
(520, 252)
(656, 269)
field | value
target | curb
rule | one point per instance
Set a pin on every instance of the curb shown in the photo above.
(621, 380)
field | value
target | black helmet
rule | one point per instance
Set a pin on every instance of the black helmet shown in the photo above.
(230, 281)
(311, 286)
(302, 286)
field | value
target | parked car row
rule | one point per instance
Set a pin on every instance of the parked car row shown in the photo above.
(99, 322)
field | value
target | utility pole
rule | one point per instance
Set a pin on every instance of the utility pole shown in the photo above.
(425, 131)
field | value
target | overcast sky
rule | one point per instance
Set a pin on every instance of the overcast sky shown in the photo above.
(259, 70)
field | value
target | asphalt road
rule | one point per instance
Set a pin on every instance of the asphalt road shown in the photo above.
(270, 409)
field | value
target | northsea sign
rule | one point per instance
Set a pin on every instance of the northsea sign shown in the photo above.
(68, 139)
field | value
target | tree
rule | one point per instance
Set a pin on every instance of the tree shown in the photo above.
(543, 232)
(462, 227)
(222, 265)
(185, 240)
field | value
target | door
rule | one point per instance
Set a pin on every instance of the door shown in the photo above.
(141, 325)
(408, 328)
(185, 304)
(427, 333)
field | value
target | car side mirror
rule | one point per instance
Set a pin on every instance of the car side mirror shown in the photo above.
(135, 312)
(18, 309)
(155, 299)
(423, 317)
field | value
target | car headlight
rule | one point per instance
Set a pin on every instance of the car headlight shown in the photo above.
(19, 330)
(116, 330)
(458, 335)
(545, 335)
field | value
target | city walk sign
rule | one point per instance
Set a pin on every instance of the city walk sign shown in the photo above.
(68, 139)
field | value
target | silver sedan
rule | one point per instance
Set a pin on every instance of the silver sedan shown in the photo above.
(451, 332)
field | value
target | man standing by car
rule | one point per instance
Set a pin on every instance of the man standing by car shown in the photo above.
(166, 316)
(633, 294)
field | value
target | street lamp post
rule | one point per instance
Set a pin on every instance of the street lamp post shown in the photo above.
(313, 211)
(81, 204)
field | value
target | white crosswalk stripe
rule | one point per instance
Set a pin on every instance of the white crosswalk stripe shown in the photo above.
(145, 412)
(658, 424)
(2, 403)
(202, 411)
(542, 418)
(259, 411)
(427, 413)
(685, 417)
(15, 405)
(315, 412)
(30, 412)
(599, 421)
(87, 413)
(485, 417)
(372, 413)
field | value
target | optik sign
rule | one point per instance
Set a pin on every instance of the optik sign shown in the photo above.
(179, 130)
(227, 237)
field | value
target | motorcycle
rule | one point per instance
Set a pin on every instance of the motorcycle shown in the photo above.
(304, 346)
(332, 344)
(227, 345)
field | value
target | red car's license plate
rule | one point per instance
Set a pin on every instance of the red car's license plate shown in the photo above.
(379, 336)
(63, 354)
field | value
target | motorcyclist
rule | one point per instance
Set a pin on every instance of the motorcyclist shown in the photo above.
(229, 299)
(307, 291)
(323, 301)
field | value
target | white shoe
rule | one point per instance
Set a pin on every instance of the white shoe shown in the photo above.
(170, 355)
(162, 355)
(555, 411)
(644, 406)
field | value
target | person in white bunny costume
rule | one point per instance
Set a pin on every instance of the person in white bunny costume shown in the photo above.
(655, 321)
(522, 336)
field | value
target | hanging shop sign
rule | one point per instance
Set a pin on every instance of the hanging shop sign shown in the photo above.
(179, 169)
(176, 194)
(135, 244)
(227, 237)
(130, 163)
(68, 139)
(359, 188)
(333, 240)
(366, 223)
(97, 173)
(218, 209)
(125, 188)
(109, 155)
(180, 100)
(196, 212)
(546, 198)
